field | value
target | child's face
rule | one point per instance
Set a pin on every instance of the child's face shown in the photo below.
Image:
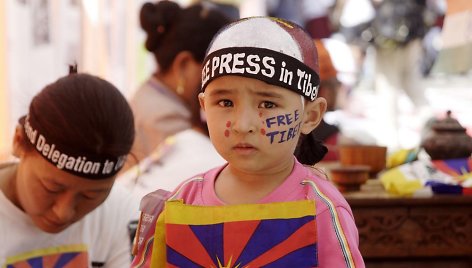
(254, 125)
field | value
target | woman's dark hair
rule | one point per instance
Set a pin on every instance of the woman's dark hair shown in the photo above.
(310, 150)
(85, 113)
(171, 29)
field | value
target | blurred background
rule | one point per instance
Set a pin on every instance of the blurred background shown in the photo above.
(368, 41)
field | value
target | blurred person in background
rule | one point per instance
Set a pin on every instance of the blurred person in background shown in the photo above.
(329, 88)
(396, 57)
(59, 206)
(165, 104)
(174, 160)
(315, 17)
(331, 134)
(229, 7)
(397, 31)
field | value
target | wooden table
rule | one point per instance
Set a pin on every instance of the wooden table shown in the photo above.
(412, 231)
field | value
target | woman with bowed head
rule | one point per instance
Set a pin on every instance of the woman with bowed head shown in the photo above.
(264, 207)
(167, 102)
(58, 203)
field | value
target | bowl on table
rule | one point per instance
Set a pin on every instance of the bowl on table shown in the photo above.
(373, 156)
(349, 178)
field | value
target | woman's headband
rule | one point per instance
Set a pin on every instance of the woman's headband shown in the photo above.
(89, 166)
(272, 50)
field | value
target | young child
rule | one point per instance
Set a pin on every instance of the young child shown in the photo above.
(263, 208)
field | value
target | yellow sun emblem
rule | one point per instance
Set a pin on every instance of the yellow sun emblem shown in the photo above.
(228, 265)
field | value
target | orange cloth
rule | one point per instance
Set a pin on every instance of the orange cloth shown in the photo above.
(327, 70)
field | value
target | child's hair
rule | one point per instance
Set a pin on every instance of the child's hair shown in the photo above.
(80, 115)
(272, 50)
(171, 29)
(310, 150)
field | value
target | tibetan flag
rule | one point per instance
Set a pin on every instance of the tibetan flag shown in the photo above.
(454, 167)
(58, 257)
(249, 235)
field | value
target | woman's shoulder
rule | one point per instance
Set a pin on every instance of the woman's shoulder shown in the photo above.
(152, 94)
(153, 91)
(144, 90)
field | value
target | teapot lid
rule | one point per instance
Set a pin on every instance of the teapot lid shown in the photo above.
(448, 123)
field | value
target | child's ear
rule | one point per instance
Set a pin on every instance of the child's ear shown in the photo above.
(201, 99)
(314, 111)
(18, 148)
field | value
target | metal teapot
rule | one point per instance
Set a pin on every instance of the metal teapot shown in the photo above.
(447, 139)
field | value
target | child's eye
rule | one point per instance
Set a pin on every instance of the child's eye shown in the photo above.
(225, 103)
(267, 105)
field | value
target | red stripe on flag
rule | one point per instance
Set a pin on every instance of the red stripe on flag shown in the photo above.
(183, 240)
(236, 235)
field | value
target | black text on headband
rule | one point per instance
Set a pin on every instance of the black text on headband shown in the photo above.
(91, 167)
(263, 64)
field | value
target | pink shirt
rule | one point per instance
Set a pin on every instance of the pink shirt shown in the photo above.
(334, 215)
(338, 238)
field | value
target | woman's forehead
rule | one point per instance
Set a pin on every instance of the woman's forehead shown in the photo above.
(46, 172)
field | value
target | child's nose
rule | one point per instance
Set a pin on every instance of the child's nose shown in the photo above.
(246, 121)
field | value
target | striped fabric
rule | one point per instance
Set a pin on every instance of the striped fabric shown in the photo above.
(336, 223)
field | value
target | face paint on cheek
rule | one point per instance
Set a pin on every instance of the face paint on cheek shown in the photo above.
(292, 126)
(228, 125)
(263, 131)
(262, 121)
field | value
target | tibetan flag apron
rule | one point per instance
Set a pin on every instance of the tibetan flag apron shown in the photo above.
(249, 235)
